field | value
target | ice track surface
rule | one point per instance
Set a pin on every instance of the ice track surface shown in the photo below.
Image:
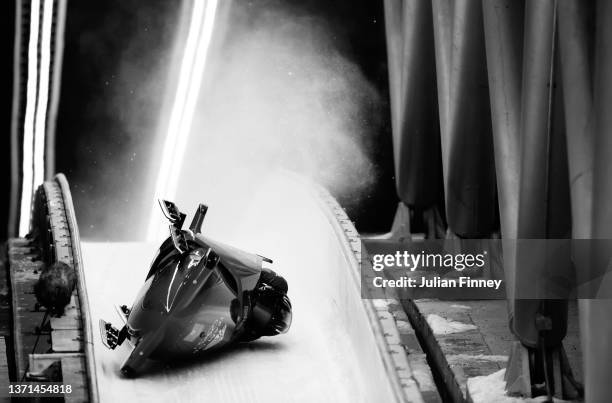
(329, 354)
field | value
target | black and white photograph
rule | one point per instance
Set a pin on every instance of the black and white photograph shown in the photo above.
(402, 201)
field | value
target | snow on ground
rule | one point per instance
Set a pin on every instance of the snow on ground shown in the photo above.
(460, 306)
(440, 325)
(477, 357)
(491, 389)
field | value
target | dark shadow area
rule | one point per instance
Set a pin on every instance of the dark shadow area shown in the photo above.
(155, 368)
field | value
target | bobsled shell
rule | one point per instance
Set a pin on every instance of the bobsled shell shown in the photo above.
(244, 266)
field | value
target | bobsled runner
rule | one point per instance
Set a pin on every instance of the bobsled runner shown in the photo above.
(199, 295)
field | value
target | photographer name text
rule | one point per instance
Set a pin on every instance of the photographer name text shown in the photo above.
(436, 282)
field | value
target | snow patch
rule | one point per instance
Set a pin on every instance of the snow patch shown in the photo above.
(478, 357)
(491, 389)
(440, 325)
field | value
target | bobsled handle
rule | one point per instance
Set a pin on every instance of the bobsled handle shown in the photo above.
(266, 259)
(198, 219)
(176, 218)
(172, 213)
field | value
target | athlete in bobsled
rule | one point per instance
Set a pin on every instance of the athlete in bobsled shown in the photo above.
(199, 296)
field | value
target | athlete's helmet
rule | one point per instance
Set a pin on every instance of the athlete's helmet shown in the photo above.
(271, 311)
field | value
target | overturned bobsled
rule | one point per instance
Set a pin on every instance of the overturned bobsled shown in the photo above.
(199, 296)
